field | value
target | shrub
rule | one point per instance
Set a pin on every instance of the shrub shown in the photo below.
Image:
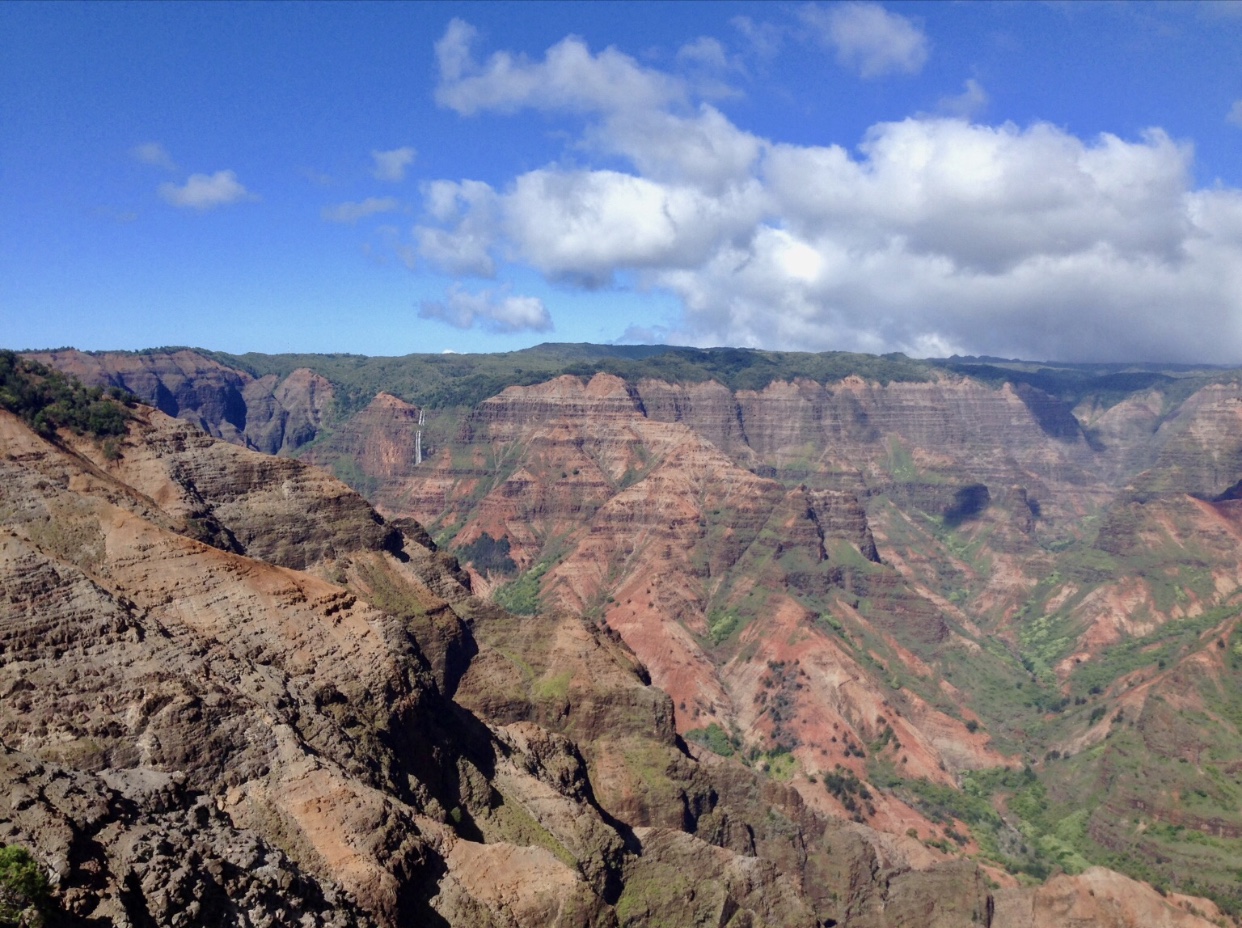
(714, 738)
(23, 885)
(49, 400)
(488, 555)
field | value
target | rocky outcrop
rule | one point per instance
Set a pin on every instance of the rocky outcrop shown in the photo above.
(193, 735)
(135, 847)
(269, 414)
(1100, 898)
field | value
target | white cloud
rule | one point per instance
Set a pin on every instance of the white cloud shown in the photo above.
(970, 102)
(868, 38)
(569, 78)
(984, 197)
(350, 213)
(1235, 114)
(495, 311)
(390, 165)
(469, 210)
(206, 191)
(933, 236)
(155, 154)
(705, 150)
(586, 225)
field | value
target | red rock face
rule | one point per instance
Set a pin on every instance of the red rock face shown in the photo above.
(788, 564)
(358, 742)
(654, 529)
(905, 581)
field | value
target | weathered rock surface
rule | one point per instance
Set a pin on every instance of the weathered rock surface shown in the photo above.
(135, 847)
(196, 736)
(268, 414)
(1100, 898)
(867, 591)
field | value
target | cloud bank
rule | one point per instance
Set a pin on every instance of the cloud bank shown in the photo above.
(934, 235)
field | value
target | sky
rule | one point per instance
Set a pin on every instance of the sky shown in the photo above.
(1050, 181)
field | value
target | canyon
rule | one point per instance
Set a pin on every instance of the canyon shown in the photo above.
(647, 637)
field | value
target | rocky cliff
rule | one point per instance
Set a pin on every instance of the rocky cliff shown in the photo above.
(268, 413)
(195, 732)
(990, 618)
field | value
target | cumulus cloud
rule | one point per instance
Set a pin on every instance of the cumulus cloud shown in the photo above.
(495, 311)
(155, 154)
(468, 230)
(349, 213)
(867, 38)
(569, 78)
(390, 165)
(206, 191)
(933, 236)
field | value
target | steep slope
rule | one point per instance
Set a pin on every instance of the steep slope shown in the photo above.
(199, 736)
(267, 413)
(953, 604)
(863, 620)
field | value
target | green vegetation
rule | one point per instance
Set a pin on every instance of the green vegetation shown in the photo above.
(779, 764)
(346, 470)
(388, 593)
(488, 555)
(721, 625)
(48, 400)
(1165, 645)
(1026, 839)
(23, 887)
(715, 739)
(440, 381)
(510, 821)
(554, 687)
(521, 597)
(850, 791)
(646, 896)
(1160, 793)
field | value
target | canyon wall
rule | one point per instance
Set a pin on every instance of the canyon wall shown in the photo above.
(984, 620)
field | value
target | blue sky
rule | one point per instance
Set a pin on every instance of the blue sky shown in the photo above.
(1057, 181)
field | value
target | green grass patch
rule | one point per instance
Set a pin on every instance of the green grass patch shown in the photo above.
(554, 687)
(521, 597)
